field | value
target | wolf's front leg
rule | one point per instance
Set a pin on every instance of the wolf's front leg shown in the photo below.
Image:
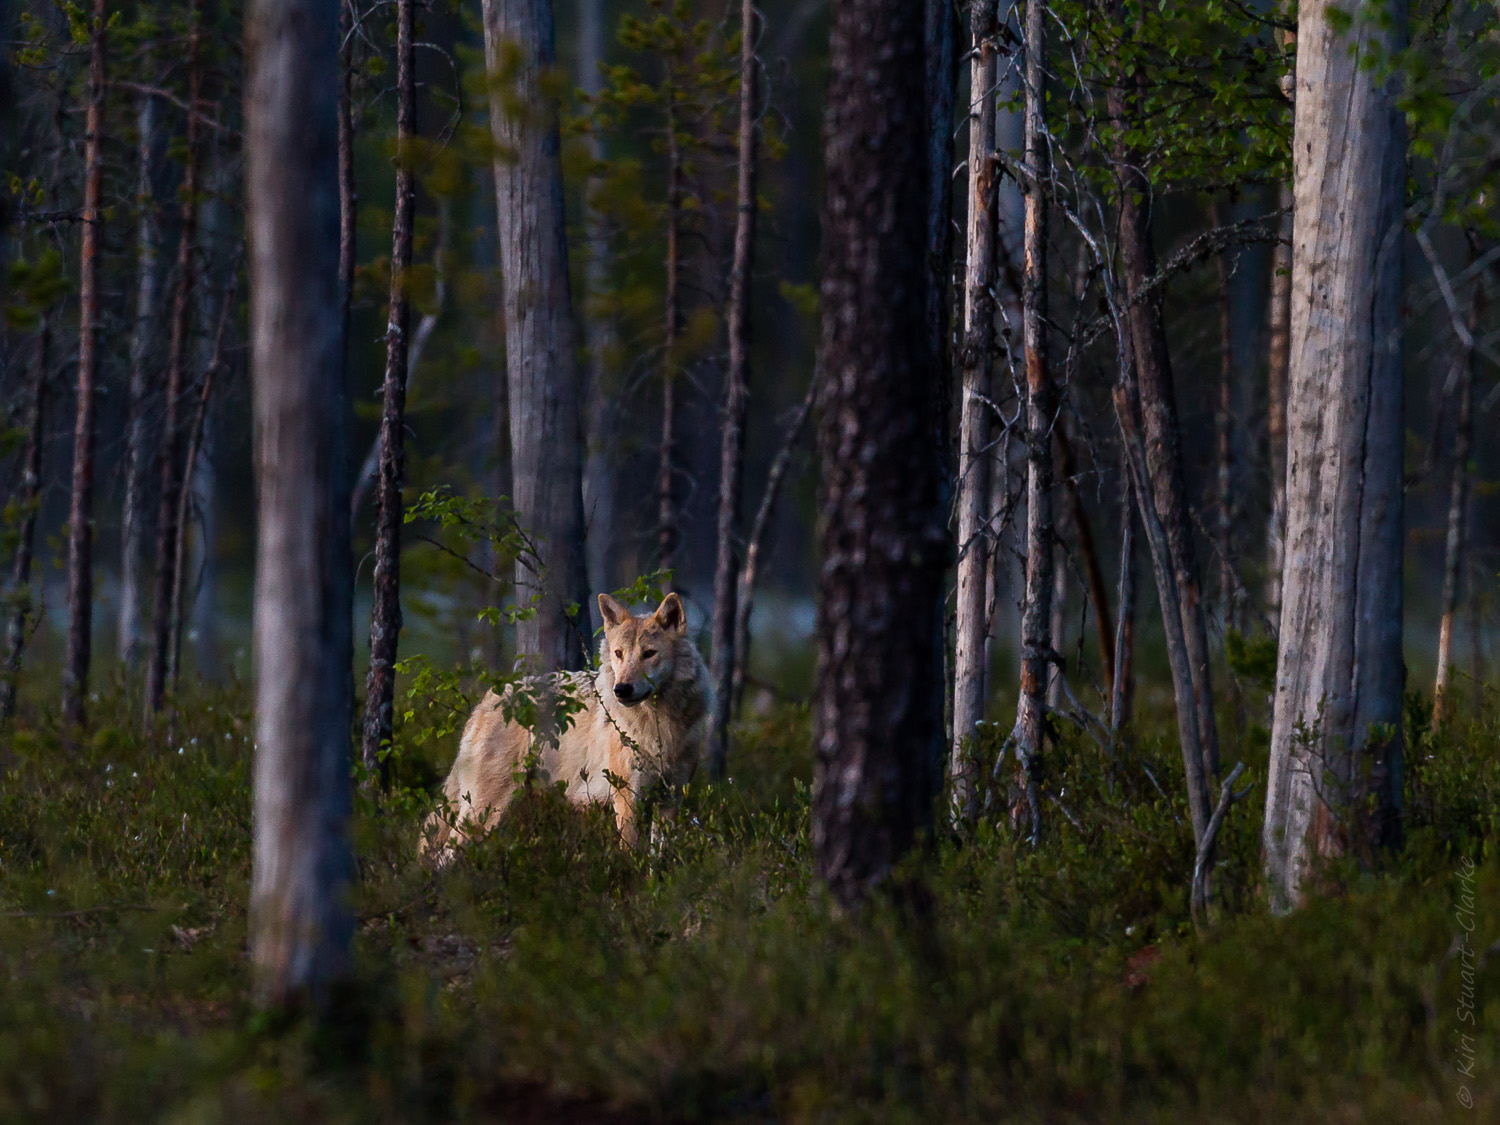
(625, 816)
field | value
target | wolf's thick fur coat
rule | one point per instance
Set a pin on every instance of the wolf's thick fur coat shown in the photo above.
(642, 722)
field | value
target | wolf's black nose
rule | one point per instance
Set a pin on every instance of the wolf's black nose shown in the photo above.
(625, 692)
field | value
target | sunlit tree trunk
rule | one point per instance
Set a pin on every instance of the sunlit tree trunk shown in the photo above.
(177, 363)
(878, 719)
(133, 518)
(300, 922)
(975, 413)
(736, 399)
(1335, 778)
(546, 450)
(385, 613)
(81, 507)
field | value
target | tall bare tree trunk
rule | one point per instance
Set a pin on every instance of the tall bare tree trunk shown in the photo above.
(385, 612)
(81, 508)
(1158, 404)
(1455, 543)
(736, 398)
(177, 361)
(348, 193)
(544, 392)
(30, 498)
(1041, 412)
(878, 717)
(1121, 690)
(1335, 779)
(300, 924)
(1224, 437)
(974, 457)
(667, 529)
(133, 531)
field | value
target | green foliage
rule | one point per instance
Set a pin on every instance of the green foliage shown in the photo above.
(1252, 660)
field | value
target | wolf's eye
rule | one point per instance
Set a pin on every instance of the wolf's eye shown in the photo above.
(647, 654)
(619, 654)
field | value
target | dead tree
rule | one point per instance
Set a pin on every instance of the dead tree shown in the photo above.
(177, 361)
(971, 652)
(1041, 415)
(81, 506)
(300, 924)
(133, 526)
(385, 613)
(541, 369)
(736, 399)
(1334, 784)
(878, 717)
(30, 498)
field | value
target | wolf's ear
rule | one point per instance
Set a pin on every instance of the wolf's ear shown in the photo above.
(670, 614)
(612, 611)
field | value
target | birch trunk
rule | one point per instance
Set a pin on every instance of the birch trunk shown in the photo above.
(736, 398)
(974, 457)
(81, 506)
(385, 612)
(30, 498)
(541, 370)
(1455, 542)
(1335, 776)
(1041, 411)
(177, 361)
(878, 714)
(133, 530)
(300, 923)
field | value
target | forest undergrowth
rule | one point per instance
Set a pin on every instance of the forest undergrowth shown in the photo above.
(551, 976)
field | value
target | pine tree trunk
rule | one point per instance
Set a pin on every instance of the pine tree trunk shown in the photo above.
(878, 721)
(1041, 411)
(385, 612)
(30, 498)
(974, 544)
(1455, 543)
(177, 360)
(1335, 778)
(300, 924)
(81, 506)
(133, 530)
(544, 392)
(736, 398)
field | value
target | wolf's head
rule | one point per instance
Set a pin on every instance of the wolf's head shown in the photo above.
(642, 651)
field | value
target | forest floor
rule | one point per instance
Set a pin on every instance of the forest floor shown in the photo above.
(551, 976)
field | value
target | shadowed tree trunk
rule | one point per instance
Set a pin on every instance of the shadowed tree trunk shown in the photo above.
(300, 923)
(1122, 690)
(1088, 558)
(1335, 777)
(385, 612)
(81, 507)
(1224, 436)
(31, 490)
(667, 530)
(133, 529)
(177, 361)
(1041, 415)
(736, 397)
(544, 393)
(878, 717)
(1456, 542)
(970, 657)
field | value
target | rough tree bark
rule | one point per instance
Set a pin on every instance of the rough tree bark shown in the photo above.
(878, 718)
(1455, 542)
(81, 507)
(1335, 776)
(1041, 411)
(736, 399)
(541, 370)
(385, 611)
(133, 529)
(30, 499)
(974, 457)
(1158, 402)
(177, 362)
(300, 923)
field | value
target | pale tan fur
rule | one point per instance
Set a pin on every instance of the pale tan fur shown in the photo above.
(656, 740)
